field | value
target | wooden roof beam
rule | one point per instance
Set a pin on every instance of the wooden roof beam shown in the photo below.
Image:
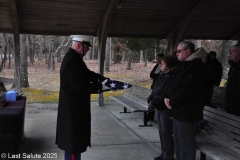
(16, 34)
(185, 21)
(107, 17)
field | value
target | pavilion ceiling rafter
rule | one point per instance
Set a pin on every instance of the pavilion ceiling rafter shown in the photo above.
(203, 19)
(177, 33)
(185, 21)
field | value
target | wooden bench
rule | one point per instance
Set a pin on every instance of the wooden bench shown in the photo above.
(218, 97)
(135, 99)
(219, 138)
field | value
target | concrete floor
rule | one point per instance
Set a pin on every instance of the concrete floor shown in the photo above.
(115, 135)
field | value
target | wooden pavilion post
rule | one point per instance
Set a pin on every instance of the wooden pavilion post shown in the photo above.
(101, 57)
(102, 37)
(16, 33)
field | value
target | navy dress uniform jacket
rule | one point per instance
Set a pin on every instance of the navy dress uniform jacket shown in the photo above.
(77, 82)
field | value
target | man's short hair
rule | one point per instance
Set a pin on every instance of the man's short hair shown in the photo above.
(188, 45)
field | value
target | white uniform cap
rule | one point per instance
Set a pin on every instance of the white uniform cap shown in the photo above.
(82, 38)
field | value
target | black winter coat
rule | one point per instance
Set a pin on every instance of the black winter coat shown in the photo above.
(74, 117)
(153, 75)
(232, 94)
(159, 91)
(186, 92)
(215, 69)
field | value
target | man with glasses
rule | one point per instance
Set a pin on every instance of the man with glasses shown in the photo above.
(186, 99)
(232, 94)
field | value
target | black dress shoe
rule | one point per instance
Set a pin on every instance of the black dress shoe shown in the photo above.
(158, 158)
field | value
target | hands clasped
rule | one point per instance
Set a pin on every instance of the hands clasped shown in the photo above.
(166, 100)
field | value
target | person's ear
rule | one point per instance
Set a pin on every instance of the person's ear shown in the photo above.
(188, 52)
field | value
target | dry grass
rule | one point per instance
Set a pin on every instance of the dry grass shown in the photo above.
(44, 83)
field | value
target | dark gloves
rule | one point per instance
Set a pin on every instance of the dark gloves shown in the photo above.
(101, 78)
(151, 108)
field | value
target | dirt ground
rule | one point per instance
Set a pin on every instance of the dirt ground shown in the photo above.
(39, 77)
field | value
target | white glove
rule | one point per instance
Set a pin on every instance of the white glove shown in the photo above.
(104, 87)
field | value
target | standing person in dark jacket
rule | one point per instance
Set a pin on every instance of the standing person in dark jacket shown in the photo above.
(154, 74)
(156, 69)
(186, 99)
(156, 100)
(77, 83)
(233, 82)
(214, 70)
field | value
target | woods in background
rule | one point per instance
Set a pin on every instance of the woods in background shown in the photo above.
(51, 50)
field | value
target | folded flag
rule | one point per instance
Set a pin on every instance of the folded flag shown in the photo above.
(115, 85)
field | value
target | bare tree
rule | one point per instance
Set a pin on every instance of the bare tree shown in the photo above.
(117, 54)
(59, 47)
(23, 61)
(93, 48)
(49, 60)
(145, 58)
(49, 48)
(123, 55)
(129, 60)
(42, 47)
(5, 52)
(31, 42)
(141, 56)
(10, 45)
(107, 56)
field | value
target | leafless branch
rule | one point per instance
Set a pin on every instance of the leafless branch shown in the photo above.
(62, 45)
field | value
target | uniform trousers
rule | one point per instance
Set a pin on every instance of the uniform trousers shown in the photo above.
(76, 156)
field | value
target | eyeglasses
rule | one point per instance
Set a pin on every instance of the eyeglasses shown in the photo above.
(179, 51)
